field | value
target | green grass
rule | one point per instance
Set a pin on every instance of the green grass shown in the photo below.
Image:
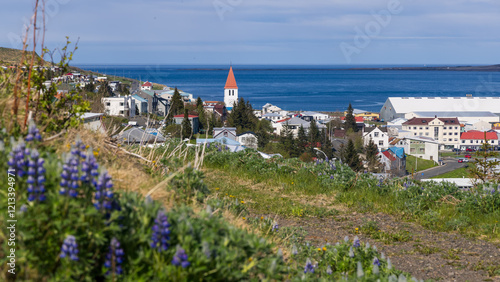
(462, 172)
(421, 164)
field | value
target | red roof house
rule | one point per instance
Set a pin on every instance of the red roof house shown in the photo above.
(478, 135)
(147, 84)
(358, 119)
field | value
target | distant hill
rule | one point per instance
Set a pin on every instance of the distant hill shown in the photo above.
(9, 55)
(442, 68)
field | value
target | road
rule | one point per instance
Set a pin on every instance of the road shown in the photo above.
(450, 164)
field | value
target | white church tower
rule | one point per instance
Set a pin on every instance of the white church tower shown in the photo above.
(230, 91)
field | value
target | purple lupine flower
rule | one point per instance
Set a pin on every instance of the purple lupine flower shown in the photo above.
(69, 248)
(18, 160)
(33, 133)
(69, 176)
(180, 258)
(309, 268)
(376, 261)
(161, 232)
(36, 178)
(329, 270)
(115, 254)
(331, 177)
(104, 196)
(356, 243)
(275, 227)
(89, 169)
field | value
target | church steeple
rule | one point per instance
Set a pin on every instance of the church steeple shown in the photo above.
(230, 90)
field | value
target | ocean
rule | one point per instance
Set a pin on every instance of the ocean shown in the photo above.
(311, 88)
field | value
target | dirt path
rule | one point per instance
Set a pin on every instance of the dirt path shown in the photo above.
(427, 255)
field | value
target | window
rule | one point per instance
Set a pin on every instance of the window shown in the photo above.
(444, 133)
(381, 143)
(427, 134)
(415, 127)
(444, 127)
(456, 139)
(121, 104)
(375, 134)
(436, 132)
(225, 134)
(121, 112)
(422, 150)
(456, 127)
(471, 141)
(420, 128)
(463, 141)
(456, 133)
(415, 134)
(108, 104)
(412, 150)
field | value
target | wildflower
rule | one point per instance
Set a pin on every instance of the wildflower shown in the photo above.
(104, 193)
(360, 272)
(69, 248)
(36, 178)
(356, 243)
(18, 159)
(319, 249)
(242, 202)
(376, 261)
(250, 259)
(89, 169)
(244, 218)
(180, 258)
(309, 268)
(261, 218)
(292, 182)
(33, 133)
(294, 250)
(331, 177)
(329, 270)
(351, 252)
(275, 227)
(161, 232)
(24, 208)
(346, 239)
(70, 176)
(324, 249)
(217, 189)
(114, 257)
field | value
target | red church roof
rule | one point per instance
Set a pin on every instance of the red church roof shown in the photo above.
(479, 135)
(231, 81)
(147, 83)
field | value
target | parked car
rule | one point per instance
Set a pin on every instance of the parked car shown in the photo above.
(456, 150)
(462, 160)
(470, 150)
(468, 156)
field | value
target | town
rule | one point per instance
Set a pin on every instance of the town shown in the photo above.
(443, 131)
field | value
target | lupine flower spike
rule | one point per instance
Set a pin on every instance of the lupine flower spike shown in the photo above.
(161, 232)
(115, 254)
(69, 248)
(36, 177)
(309, 268)
(33, 133)
(180, 258)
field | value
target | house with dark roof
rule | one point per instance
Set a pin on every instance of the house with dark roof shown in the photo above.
(444, 130)
(474, 139)
(378, 135)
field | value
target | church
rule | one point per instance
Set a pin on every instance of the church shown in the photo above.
(230, 91)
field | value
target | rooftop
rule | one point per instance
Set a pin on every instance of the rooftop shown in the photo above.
(479, 135)
(231, 81)
(425, 121)
(445, 104)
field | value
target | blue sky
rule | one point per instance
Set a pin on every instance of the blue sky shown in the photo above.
(267, 31)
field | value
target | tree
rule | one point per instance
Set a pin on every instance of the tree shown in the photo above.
(372, 157)
(176, 104)
(186, 126)
(486, 165)
(202, 117)
(199, 102)
(327, 148)
(288, 142)
(263, 132)
(314, 135)
(242, 117)
(352, 157)
(350, 120)
(302, 139)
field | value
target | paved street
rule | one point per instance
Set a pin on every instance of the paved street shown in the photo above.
(450, 165)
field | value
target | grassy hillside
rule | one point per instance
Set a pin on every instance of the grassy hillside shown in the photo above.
(9, 55)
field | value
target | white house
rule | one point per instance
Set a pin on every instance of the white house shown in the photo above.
(119, 106)
(480, 125)
(269, 108)
(93, 121)
(147, 86)
(248, 139)
(228, 132)
(141, 104)
(474, 139)
(378, 135)
(420, 147)
(230, 90)
(314, 115)
(272, 116)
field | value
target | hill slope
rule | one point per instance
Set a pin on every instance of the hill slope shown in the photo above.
(9, 55)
